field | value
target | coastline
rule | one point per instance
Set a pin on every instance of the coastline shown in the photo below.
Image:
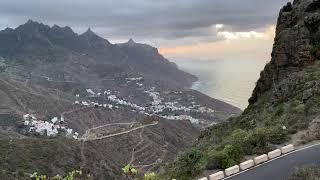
(202, 87)
(223, 79)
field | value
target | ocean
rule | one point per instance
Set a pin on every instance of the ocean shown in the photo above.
(231, 81)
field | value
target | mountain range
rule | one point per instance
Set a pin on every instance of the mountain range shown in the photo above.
(71, 101)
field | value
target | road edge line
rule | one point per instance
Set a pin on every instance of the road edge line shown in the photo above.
(284, 155)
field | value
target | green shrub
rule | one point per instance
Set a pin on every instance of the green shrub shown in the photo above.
(76, 174)
(150, 176)
(259, 140)
(192, 157)
(129, 170)
(277, 135)
(229, 156)
(213, 160)
(299, 109)
(186, 166)
(234, 152)
(239, 137)
(307, 173)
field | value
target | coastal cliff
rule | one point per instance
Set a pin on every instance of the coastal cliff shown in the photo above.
(284, 107)
(296, 45)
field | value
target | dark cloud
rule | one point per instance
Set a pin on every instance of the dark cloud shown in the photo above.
(144, 19)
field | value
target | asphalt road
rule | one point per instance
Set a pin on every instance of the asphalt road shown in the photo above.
(282, 168)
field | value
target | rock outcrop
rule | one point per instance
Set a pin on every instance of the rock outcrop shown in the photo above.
(313, 132)
(285, 104)
(296, 44)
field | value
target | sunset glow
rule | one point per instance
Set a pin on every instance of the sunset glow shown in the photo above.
(235, 45)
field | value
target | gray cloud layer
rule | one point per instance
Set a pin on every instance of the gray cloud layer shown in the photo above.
(143, 19)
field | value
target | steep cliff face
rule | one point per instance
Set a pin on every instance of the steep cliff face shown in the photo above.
(296, 44)
(284, 107)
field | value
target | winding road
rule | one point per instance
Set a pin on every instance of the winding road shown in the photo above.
(283, 167)
(120, 133)
(105, 125)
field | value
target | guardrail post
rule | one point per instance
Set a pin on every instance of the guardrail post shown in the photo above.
(274, 154)
(261, 159)
(287, 149)
(247, 164)
(217, 176)
(232, 170)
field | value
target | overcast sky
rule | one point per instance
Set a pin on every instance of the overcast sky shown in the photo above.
(172, 25)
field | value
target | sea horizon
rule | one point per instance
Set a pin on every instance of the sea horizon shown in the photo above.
(223, 79)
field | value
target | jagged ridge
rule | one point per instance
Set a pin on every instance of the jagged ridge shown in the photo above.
(36, 44)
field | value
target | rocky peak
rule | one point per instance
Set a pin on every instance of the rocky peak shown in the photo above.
(55, 26)
(31, 22)
(62, 31)
(89, 32)
(131, 42)
(93, 40)
(33, 27)
(139, 46)
(297, 43)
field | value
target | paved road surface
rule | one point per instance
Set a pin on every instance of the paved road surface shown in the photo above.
(282, 168)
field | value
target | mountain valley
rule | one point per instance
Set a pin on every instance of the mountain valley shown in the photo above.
(72, 101)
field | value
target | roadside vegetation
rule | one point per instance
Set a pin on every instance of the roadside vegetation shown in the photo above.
(132, 173)
(307, 173)
(272, 120)
(73, 175)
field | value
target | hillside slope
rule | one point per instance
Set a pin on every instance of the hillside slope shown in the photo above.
(72, 101)
(285, 104)
(61, 54)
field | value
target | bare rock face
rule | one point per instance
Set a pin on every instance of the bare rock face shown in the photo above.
(313, 132)
(297, 44)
